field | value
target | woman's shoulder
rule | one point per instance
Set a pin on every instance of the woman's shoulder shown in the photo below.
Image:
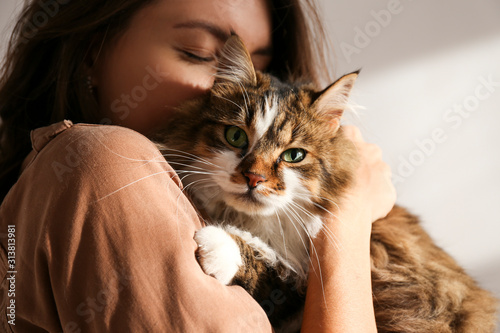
(94, 138)
(79, 141)
(69, 150)
(74, 167)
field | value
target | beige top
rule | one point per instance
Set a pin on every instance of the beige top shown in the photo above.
(103, 242)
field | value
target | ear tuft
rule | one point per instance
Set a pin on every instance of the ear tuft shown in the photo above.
(331, 102)
(235, 64)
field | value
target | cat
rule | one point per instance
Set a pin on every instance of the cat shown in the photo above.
(265, 161)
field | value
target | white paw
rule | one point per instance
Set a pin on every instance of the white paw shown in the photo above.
(218, 253)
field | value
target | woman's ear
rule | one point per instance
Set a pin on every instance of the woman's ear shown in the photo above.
(331, 102)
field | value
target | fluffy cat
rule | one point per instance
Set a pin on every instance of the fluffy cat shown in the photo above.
(265, 161)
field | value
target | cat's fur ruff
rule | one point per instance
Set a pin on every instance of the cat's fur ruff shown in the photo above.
(264, 210)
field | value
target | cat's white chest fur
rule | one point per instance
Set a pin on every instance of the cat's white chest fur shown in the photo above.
(284, 236)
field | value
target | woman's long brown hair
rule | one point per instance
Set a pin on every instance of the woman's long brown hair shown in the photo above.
(43, 79)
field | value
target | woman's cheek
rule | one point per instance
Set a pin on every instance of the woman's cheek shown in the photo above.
(188, 81)
(178, 86)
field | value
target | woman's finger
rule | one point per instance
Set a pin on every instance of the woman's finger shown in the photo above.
(353, 133)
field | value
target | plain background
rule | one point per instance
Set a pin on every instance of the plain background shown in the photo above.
(421, 62)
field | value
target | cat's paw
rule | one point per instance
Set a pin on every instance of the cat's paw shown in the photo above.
(218, 253)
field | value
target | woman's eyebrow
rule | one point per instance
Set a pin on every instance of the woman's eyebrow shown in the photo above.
(218, 33)
(211, 28)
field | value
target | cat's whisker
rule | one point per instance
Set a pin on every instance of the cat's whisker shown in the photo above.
(201, 185)
(199, 168)
(199, 161)
(132, 159)
(182, 157)
(307, 197)
(331, 201)
(193, 168)
(134, 182)
(205, 186)
(185, 174)
(187, 166)
(191, 163)
(295, 227)
(318, 273)
(186, 189)
(313, 251)
(300, 221)
(328, 232)
(197, 158)
(312, 216)
(192, 184)
(326, 210)
(192, 174)
(305, 211)
(282, 232)
(330, 235)
(195, 172)
(332, 238)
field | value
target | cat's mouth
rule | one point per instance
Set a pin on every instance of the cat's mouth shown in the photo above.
(250, 202)
(250, 196)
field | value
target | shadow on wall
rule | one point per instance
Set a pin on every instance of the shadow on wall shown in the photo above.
(382, 32)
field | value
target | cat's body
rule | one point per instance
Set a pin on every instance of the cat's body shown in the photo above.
(266, 161)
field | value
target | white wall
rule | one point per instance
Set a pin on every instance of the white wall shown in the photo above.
(7, 17)
(421, 62)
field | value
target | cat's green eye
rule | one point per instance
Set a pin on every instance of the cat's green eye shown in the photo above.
(236, 137)
(293, 155)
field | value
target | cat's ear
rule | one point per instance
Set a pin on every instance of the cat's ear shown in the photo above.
(332, 101)
(235, 64)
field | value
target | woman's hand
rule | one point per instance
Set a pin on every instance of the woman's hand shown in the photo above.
(372, 191)
(339, 294)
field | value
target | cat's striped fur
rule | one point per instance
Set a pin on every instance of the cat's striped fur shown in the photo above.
(264, 206)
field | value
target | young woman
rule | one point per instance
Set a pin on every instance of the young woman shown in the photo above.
(103, 237)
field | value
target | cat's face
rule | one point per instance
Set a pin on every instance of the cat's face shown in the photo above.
(259, 145)
(267, 152)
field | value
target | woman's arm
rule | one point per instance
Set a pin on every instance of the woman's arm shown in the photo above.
(339, 295)
(104, 243)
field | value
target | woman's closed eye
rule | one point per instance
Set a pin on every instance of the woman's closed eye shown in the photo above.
(197, 57)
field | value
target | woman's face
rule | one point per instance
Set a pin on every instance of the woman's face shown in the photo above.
(166, 56)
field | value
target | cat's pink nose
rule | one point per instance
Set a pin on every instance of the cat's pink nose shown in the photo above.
(254, 179)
